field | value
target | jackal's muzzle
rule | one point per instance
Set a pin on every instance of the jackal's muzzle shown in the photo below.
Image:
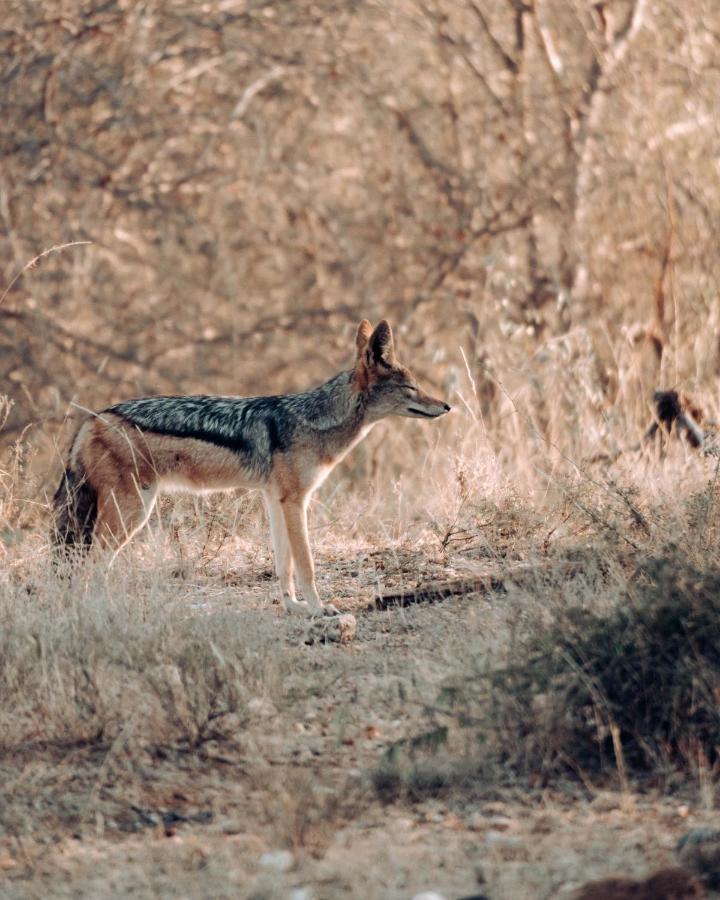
(426, 407)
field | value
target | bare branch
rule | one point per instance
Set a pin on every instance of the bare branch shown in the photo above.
(502, 55)
(254, 88)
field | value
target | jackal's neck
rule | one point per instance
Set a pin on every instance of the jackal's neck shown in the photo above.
(335, 406)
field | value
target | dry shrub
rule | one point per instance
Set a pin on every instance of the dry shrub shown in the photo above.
(304, 810)
(634, 688)
(611, 677)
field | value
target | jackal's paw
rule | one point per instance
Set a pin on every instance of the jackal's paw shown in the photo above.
(329, 610)
(297, 607)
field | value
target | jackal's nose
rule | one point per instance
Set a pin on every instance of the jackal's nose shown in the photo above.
(447, 407)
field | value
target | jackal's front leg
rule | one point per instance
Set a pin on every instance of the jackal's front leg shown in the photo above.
(295, 515)
(283, 557)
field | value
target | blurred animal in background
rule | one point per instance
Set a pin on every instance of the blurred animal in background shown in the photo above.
(676, 413)
(123, 456)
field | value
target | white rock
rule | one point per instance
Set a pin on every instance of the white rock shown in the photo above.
(476, 821)
(501, 839)
(261, 707)
(501, 823)
(428, 895)
(301, 893)
(232, 826)
(278, 860)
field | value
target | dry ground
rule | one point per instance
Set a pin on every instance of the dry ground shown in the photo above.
(163, 725)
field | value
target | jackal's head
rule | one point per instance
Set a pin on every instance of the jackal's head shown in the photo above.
(390, 388)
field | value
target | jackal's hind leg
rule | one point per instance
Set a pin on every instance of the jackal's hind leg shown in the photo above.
(295, 515)
(123, 509)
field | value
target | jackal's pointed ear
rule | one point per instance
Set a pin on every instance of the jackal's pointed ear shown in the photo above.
(363, 336)
(381, 347)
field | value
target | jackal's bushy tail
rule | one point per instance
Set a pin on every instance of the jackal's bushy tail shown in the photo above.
(75, 505)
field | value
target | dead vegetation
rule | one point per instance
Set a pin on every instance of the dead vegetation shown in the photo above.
(170, 697)
(586, 689)
(528, 192)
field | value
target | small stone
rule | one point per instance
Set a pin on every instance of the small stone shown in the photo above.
(277, 860)
(231, 826)
(476, 822)
(500, 839)
(301, 893)
(501, 823)
(428, 895)
(261, 707)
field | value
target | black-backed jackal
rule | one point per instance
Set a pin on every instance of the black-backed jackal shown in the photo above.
(287, 445)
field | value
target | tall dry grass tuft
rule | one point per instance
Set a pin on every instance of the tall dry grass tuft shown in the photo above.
(35, 261)
(103, 657)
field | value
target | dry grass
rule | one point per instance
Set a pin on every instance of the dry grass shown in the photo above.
(531, 199)
(162, 724)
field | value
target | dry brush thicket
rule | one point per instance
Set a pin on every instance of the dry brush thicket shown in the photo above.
(530, 182)
(528, 191)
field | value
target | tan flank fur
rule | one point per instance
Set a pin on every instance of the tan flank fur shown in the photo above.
(123, 456)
